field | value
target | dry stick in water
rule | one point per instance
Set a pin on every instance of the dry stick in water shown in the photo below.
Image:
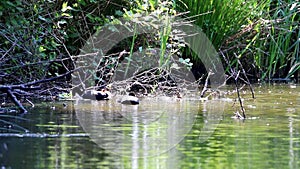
(247, 80)
(236, 77)
(205, 84)
(238, 93)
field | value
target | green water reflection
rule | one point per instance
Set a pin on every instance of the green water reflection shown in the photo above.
(269, 138)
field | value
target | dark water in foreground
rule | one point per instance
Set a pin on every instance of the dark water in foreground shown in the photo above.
(159, 133)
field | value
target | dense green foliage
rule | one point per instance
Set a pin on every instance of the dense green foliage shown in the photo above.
(38, 37)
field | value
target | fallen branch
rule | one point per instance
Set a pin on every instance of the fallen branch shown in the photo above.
(16, 101)
(11, 90)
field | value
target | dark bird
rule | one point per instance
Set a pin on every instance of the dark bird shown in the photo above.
(130, 100)
(103, 94)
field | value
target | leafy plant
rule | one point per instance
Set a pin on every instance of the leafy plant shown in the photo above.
(159, 15)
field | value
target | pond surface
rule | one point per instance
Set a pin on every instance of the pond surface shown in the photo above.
(158, 133)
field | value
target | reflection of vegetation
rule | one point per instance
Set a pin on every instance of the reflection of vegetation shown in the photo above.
(242, 145)
(254, 143)
(9, 124)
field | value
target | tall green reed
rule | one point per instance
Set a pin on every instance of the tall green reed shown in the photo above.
(264, 32)
(278, 54)
(221, 19)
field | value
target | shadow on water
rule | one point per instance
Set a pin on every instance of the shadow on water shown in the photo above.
(167, 133)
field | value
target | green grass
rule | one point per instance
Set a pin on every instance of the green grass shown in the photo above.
(222, 19)
(280, 41)
(264, 35)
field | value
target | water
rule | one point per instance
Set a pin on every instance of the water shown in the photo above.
(182, 134)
